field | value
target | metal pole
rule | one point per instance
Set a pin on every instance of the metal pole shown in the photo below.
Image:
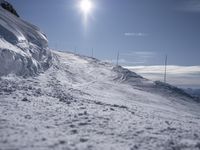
(165, 75)
(117, 58)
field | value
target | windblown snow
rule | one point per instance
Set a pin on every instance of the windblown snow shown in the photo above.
(72, 102)
(23, 48)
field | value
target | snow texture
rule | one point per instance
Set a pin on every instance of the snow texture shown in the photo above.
(194, 92)
(81, 103)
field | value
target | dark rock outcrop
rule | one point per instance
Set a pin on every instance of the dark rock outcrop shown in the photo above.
(7, 6)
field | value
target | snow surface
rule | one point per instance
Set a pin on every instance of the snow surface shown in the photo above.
(81, 103)
(194, 92)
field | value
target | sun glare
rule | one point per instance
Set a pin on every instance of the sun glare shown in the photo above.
(86, 6)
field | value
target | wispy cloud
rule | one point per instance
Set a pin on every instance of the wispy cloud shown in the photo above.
(138, 57)
(135, 34)
(123, 61)
(190, 6)
(134, 58)
(144, 54)
(140, 53)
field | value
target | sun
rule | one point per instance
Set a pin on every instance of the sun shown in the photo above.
(86, 6)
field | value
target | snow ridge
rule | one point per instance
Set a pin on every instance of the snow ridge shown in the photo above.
(23, 47)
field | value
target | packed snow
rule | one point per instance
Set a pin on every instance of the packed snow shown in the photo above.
(81, 103)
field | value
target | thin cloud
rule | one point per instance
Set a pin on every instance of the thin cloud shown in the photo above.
(139, 57)
(123, 61)
(139, 53)
(135, 34)
(134, 58)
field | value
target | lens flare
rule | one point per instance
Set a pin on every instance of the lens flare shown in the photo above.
(86, 6)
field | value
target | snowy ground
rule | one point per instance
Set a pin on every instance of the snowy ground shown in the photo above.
(74, 102)
(82, 103)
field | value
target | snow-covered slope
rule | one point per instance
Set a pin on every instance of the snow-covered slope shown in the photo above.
(23, 47)
(81, 103)
(194, 92)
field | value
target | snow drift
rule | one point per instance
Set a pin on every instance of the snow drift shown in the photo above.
(23, 47)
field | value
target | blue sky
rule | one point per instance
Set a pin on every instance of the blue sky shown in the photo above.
(143, 31)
